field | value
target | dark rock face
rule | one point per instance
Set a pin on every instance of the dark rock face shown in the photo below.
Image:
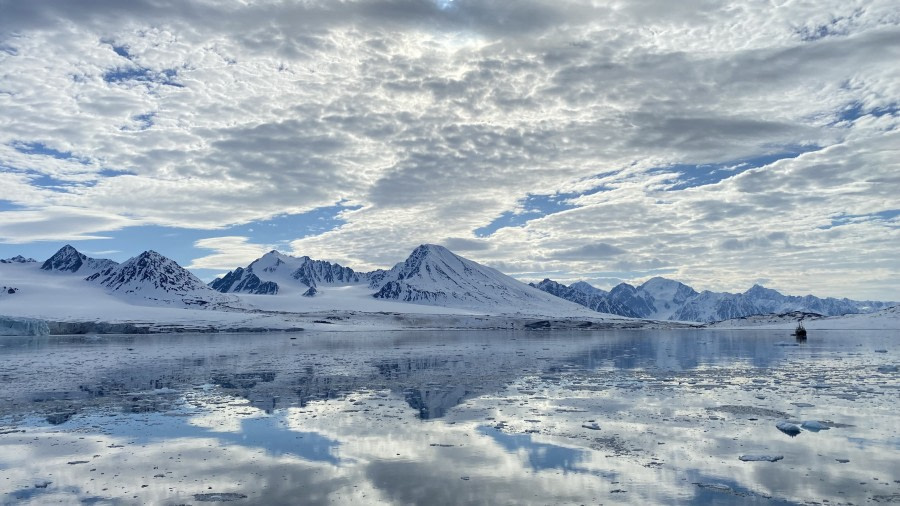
(306, 271)
(312, 292)
(312, 272)
(241, 280)
(376, 278)
(396, 291)
(628, 296)
(586, 295)
(224, 283)
(66, 259)
(149, 272)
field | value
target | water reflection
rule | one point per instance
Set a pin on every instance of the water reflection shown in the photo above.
(540, 455)
(626, 417)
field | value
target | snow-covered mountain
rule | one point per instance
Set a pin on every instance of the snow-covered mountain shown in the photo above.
(586, 295)
(18, 259)
(433, 275)
(70, 260)
(155, 278)
(275, 272)
(666, 299)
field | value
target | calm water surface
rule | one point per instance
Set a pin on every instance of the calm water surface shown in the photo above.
(642, 417)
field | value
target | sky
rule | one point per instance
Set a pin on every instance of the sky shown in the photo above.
(720, 143)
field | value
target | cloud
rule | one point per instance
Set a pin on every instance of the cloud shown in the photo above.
(589, 252)
(432, 119)
(230, 252)
(57, 224)
(462, 244)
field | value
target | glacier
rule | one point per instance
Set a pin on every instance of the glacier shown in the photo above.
(15, 326)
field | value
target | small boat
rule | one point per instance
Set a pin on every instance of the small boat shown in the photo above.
(800, 332)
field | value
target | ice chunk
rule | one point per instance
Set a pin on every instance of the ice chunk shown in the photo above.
(814, 425)
(12, 326)
(761, 458)
(788, 428)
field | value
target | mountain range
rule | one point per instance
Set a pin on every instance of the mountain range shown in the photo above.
(666, 299)
(432, 276)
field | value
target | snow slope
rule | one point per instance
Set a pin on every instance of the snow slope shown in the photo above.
(433, 275)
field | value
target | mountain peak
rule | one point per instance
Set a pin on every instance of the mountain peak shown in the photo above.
(434, 275)
(150, 272)
(585, 287)
(659, 281)
(276, 272)
(67, 259)
(18, 259)
(431, 249)
(758, 290)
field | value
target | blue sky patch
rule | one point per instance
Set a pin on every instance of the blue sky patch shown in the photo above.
(51, 183)
(144, 121)
(121, 51)
(884, 217)
(710, 173)
(856, 110)
(536, 206)
(39, 148)
(165, 77)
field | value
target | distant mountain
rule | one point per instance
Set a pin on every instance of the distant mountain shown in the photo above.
(666, 299)
(154, 277)
(434, 275)
(276, 271)
(586, 295)
(18, 259)
(68, 259)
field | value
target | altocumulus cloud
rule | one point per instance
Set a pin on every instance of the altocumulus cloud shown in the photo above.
(428, 120)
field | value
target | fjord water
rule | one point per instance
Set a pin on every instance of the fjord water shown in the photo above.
(641, 417)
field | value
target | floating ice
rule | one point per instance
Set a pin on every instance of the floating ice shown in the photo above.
(814, 425)
(219, 497)
(788, 428)
(761, 458)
